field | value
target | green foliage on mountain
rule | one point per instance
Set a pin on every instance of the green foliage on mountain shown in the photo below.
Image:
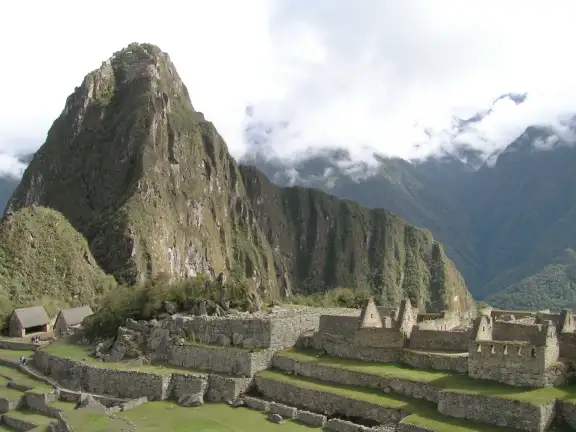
(44, 260)
(151, 186)
(501, 224)
(327, 242)
(146, 301)
(553, 287)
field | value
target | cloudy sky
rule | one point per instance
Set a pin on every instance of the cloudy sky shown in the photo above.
(358, 74)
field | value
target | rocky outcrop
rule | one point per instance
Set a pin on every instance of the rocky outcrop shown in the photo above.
(150, 184)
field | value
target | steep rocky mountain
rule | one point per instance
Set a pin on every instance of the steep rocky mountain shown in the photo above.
(150, 185)
(501, 223)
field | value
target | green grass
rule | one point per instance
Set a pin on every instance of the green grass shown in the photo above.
(30, 416)
(216, 417)
(440, 379)
(424, 412)
(14, 355)
(87, 420)
(19, 377)
(82, 353)
(10, 394)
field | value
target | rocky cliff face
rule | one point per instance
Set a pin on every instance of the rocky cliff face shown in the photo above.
(150, 184)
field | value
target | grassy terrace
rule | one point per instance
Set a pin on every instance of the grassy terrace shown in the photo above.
(31, 416)
(14, 355)
(167, 416)
(423, 413)
(19, 377)
(440, 379)
(82, 353)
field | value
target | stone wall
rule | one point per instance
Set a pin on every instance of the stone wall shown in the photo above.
(445, 323)
(256, 404)
(185, 384)
(497, 314)
(326, 403)
(338, 425)
(310, 418)
(284, 332)
(380, 338)
(216, 359)
(517, 364)
(285, 411)
(439, 340)
(19, 424)
(208, 329)
(14, 345)
(224, 388)
(131, 384)
(407, 427)
(497, 411)
(511, 331)
(415, 389)
(446, 362)
(344, 326)
(567, 410)
(348, 350)
(568, 346)
(277, 331)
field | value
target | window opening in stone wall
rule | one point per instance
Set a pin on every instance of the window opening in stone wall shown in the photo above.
(483, 328)
(492, 350)
(519, 351)
(533, 352)
(505, 349)
(371, 315)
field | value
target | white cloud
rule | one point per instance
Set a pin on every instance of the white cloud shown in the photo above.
(359, 74)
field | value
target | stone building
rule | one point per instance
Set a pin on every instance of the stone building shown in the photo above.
(28, 320)
(71, 319)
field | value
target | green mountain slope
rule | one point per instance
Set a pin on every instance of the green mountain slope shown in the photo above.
(151, 186)
(500, 224)
(44, 259)
(553, 287)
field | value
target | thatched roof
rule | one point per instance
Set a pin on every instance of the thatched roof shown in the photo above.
(32, 316)
(75, 315)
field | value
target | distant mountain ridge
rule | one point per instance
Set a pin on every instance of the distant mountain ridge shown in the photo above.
(500, 222)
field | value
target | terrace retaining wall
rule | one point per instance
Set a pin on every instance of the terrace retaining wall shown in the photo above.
(326, 403)
(497, 411)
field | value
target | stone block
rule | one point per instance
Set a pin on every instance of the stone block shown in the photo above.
(310, 418)
(285, 411)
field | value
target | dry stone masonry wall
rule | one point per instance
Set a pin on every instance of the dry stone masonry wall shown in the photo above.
(131, 384)
(497, 411)
(328, 404)
(337, 375)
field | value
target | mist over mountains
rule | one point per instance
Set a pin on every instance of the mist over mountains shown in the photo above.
(507, 219)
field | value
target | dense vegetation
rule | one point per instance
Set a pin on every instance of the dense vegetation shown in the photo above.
(146, 301)
(500, 224)
(149, 183)
(43, 260)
